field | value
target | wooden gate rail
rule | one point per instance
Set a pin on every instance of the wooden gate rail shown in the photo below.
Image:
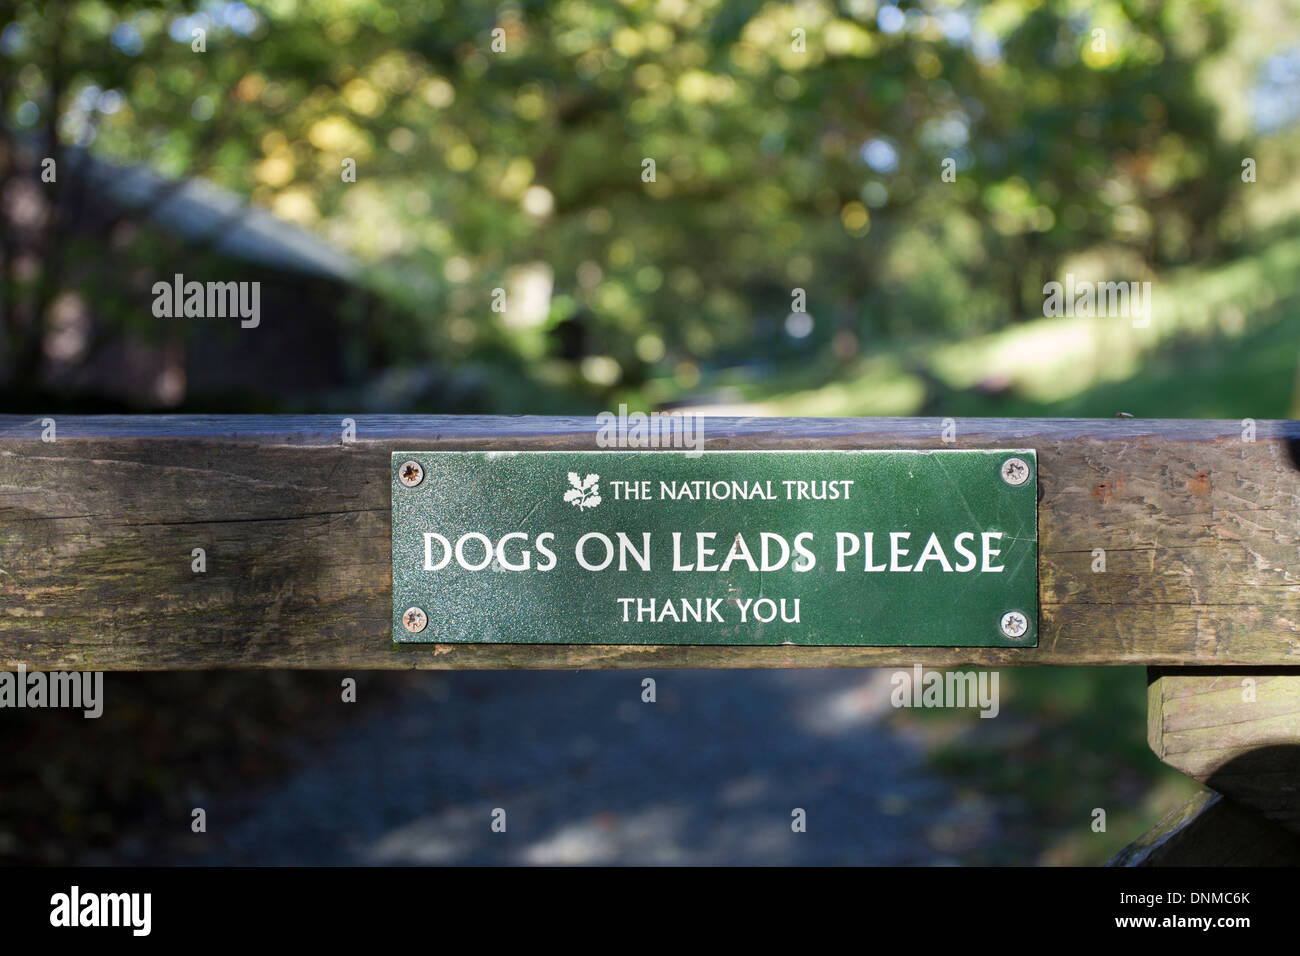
(1172, 544)
(1199, 530)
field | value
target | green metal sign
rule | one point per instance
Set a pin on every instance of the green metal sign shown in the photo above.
(886, 548)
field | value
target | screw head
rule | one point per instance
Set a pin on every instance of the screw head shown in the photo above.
(1015, 471)
(1014, 624)
(410, 473)
(414, 620)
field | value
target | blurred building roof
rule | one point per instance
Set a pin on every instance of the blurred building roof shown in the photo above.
(202, 212)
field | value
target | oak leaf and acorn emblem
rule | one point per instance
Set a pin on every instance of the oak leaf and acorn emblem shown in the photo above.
(585, 492)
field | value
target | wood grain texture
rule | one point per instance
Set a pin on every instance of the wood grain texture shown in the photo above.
(1237, 731)
(1201, 531)
(1208, 830)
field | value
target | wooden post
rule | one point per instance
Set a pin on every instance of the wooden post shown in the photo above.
(1236, 730)
(1209, 830)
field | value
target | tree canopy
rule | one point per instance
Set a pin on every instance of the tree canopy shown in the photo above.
(652, 183)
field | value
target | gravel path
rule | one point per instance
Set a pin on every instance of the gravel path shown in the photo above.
(588, 773)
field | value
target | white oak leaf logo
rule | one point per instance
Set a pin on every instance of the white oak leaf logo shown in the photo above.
(585, 492)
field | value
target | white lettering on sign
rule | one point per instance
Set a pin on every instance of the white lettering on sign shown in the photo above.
(701, 551)
(930, 547)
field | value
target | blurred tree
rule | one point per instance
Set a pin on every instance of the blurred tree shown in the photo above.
(916, 168)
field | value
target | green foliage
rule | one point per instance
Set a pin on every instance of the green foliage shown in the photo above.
(775, 167)
(1067, 742)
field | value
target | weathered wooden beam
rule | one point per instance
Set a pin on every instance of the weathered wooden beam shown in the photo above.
(1237, 731)
(1209, 830)
(1199, 526)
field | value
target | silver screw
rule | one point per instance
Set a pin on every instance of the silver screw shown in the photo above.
(414, 620)
(1015, 471)
(410, 473)
(1014, 624)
